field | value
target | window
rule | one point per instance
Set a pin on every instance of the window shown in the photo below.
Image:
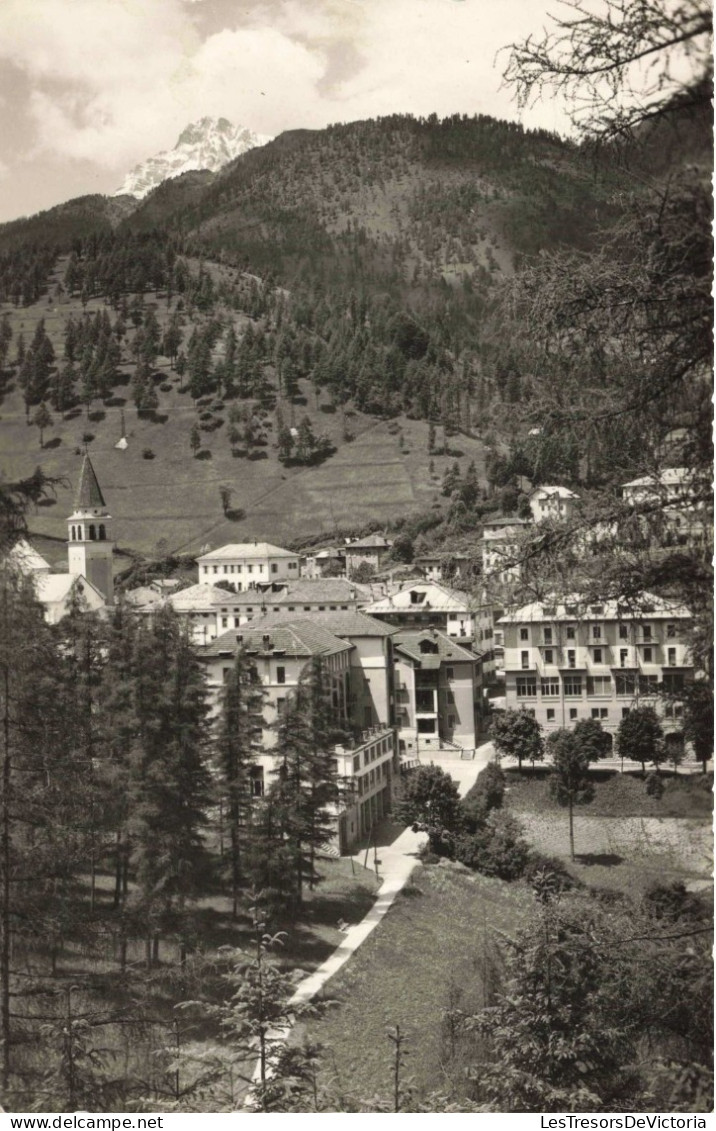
(274, 567)
(550, 687)
(102, 534)
(549, 655)
(571, 658)
(598, 656)
(623, 631)
(550, 714)
(451, 722)
(356, 763)
(596, 632)
(526, 687)
(671, 657)
(647, 631)
(92, 533)
(426, 726)
(648, 684)
(280, 705)
(524, 634)
(571, 632)
(573, 685)
(623, 657)
(257, 781)
(449, 673)
(224, 622)
(599, 685)
(572, 713)
(524, 660)
(625, 684)
(600, 712)
(673, 683)
(671, 630)
(548, 635)
(280, 674)
(648, 655)
(625, 712)
(225, 673)
(673, 710)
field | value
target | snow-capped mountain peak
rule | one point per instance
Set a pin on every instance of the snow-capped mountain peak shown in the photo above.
(207, 144)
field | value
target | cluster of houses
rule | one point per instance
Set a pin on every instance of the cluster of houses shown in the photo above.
(413, 665)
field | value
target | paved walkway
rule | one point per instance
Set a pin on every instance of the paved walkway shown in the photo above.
(396, 863)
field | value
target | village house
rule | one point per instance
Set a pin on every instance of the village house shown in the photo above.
(248, 565)
(371, 551)
(427, 604)
(501, 548)
(572, 660)
(321, 563)
(678, 497)
(447, 567)
(556, 503)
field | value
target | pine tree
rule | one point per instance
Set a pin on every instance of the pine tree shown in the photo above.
(307, 791)
(237, 743)
(169, 781)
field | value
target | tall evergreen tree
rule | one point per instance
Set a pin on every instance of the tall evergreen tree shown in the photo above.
(169, 779)
(237, 742)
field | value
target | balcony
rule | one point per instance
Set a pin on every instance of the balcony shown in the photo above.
(426, 701)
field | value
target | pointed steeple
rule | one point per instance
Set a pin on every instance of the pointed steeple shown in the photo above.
(89, 495)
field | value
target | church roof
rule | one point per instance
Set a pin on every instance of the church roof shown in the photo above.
(89, 495)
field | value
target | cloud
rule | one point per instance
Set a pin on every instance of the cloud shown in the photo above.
(113, 81)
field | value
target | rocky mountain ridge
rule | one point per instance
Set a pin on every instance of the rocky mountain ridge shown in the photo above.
(209, 143)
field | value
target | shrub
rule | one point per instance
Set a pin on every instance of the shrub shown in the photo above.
(497, 849)
(147, 454)
(485, 795)
(544, 870)
(655, 786)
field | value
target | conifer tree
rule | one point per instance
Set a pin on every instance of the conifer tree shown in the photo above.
(307, 789)
(168, 779)
(237, 742)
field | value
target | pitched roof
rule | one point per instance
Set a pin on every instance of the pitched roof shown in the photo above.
(320, 589)
(26, 557)
(297, 638)
(88, 496)
(246, 550)
(577, 607)
(198, 597)
(561, 492)
(341, 622)
(53, 587)
(669, 477)
(431, 596)
(370, 542)
(408, 644)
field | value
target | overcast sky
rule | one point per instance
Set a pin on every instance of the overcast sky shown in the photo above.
(88, 88)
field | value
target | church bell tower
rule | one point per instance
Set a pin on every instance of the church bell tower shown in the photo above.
(90, 546)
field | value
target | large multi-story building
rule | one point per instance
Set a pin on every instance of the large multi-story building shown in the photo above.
(281, 646)
(436, 693)
(248, 565)
(571, 660)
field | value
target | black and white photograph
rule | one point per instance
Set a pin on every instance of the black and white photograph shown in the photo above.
(356, 561)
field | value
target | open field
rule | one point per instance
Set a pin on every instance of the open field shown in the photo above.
(624, 839)
(430, 952)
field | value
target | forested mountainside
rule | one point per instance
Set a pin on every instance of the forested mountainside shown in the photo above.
(333, 279)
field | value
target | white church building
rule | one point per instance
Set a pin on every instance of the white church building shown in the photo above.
(89, 551)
